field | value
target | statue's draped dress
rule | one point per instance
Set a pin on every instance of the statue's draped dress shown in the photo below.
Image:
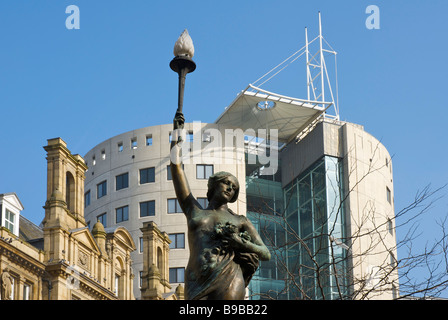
(224, 273)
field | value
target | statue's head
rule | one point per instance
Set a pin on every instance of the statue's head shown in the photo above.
(217, 177)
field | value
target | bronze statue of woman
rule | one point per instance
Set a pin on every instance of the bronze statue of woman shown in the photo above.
(225, 248)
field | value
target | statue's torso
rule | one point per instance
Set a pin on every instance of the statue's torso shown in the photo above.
(211, 257)
(204, 243)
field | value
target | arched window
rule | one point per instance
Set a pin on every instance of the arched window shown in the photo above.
(117, 284)
(70, 191)
(160, 260)
(119, 279)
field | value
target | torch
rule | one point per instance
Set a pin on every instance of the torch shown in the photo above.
(183, 63)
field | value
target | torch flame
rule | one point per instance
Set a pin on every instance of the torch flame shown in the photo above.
(184, 45)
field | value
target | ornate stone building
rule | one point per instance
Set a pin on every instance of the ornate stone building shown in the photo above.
(62, 259)
(155, 276)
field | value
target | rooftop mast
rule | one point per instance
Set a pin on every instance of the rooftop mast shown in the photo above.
(321, 60)
(320, 65)
(308, 76)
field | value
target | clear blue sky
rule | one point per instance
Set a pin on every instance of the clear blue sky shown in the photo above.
(112, 76)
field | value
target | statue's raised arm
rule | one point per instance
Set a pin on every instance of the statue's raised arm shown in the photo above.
(180, 182)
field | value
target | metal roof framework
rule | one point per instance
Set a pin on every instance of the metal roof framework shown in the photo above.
(255, 108)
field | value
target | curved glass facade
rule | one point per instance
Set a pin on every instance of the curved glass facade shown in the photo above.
(303, 226)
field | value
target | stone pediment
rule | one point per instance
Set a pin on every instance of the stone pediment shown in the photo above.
(84, 236)
(121, 235)
(12, 200)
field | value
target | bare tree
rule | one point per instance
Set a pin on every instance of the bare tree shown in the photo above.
(327, 263)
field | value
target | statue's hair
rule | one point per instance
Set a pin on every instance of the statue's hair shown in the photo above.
(215, 178)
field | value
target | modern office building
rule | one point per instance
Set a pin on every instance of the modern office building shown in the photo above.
(327, 212)
(328, 217)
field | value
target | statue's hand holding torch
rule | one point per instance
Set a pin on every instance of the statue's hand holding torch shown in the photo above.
(178, 121)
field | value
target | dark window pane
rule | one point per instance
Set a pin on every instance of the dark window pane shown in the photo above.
(87, 199)
(177, 241)
(147, 175)
(122, 214)
(122, 181)
(147, 208)
(177, 275)
(204, 171)
(173, 206)
(101, 189)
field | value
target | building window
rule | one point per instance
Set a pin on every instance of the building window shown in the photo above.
(177, 275)
(149, 140)
(141, 245)
(117, 281)
(390, 226)
(101, 189)
(122, 214)
(122, 181)
(313, 209)
(394, 292)
(93, 160)
(9, 220)
(26, 291)
(168, 173)
(204, 171)
(388, 195)
(13, 289)
(87, 199)
(203, 202)
(177, 241)
(189, 136)
(134, 143)
(147, 208)
(140, 274)
(102, 218)
(147, 175)
(120, 146)
(103, 154)
(393, 261)
(174, 206)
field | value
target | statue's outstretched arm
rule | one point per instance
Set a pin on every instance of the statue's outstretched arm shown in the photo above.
(180, 181)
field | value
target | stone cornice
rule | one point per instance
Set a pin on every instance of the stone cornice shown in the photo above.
(22, 259)
(86, 284)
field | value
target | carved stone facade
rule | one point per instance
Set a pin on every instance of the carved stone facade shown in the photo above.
(63, 259)
(77, 263)
(155, 277)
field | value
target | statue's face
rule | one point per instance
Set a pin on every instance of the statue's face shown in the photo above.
(225, 189)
